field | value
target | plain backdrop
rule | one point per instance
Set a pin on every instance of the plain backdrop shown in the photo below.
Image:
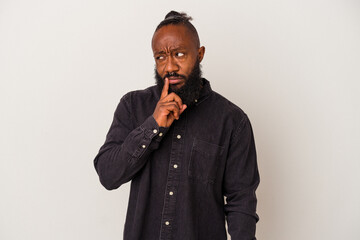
(292, 66)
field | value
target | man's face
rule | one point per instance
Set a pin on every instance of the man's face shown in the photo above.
(176, 53)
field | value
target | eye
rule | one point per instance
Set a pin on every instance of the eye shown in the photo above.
(180, 54)
(159, 57)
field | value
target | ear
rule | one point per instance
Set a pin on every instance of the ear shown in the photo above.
(201, 53)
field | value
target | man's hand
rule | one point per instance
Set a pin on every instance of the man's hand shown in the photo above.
(168, 108)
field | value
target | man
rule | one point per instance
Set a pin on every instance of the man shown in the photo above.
(184, 147)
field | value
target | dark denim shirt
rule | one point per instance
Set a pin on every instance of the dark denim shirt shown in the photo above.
(181, 174)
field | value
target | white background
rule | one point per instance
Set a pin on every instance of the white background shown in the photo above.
(292, 66)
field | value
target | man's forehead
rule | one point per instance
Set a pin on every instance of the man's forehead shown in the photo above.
(175, 36)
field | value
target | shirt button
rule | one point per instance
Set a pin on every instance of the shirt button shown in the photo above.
(167, 223)
(175, 166)
(143, 146)
(195, 100)
(178, 136)
(155, 131)
(171, 193)
(160, 134)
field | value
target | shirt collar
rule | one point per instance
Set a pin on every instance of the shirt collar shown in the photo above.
(205, 92)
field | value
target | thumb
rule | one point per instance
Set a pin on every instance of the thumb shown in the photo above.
(184, 106)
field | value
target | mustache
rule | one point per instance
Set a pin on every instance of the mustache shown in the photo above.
(168, 75)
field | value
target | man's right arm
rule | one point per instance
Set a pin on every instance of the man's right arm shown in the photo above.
(126, 148)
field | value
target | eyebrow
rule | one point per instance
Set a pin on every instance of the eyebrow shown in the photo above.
(174, 49)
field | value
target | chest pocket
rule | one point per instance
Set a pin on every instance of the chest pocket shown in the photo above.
(204, 161)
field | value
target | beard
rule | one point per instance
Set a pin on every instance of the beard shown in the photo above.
(192, 87)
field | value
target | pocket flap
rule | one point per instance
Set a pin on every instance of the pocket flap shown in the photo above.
(207, 148)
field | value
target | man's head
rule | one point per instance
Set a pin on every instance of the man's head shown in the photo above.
(178, 54)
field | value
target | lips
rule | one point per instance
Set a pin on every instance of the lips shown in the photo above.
(175, 80)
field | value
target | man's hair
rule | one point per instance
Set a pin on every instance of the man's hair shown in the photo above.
(176, 18)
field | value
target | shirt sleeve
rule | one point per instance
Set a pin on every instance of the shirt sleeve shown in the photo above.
(240, 182)
(126, 149)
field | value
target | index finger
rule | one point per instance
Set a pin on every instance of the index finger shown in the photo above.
(165, 89)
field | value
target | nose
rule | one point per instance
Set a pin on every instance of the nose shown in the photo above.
(171, 65)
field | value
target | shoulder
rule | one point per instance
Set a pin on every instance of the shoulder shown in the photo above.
(227, 108)
(234, 117)
(138, 99)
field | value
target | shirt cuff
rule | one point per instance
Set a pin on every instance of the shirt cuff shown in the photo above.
(152, 129)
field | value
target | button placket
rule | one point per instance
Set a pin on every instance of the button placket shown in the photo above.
(173, 179)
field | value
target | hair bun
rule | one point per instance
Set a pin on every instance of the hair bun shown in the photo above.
(177, 15)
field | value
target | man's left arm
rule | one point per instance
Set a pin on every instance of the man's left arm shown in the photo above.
(241, 179)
